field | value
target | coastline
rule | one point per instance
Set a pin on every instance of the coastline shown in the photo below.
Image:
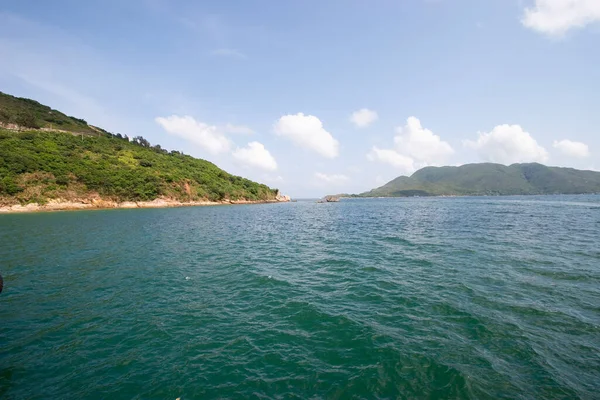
(99, 204)
(436, 196)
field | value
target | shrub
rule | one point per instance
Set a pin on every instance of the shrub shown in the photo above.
(79, 120)
(62, 180)
(9, 186)
(27, 135)
(120, 170)
(26, 120)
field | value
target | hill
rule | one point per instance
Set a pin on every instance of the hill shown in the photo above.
(490, 179)
(38, 165)
(18, 112)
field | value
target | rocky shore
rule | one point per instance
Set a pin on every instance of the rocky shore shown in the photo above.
(91, 204)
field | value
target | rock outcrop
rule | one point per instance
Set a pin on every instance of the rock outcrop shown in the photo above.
(91, 204)
(329, 199)
(282, 197)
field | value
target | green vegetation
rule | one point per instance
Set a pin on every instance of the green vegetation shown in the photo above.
(490, 179)
(29, 113)
(38, 165)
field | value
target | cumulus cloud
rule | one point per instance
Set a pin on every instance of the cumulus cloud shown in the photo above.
(334, 179)
(421, 144)
(414, 147)
(556, 17)
(255, 155)
(572, 149)
(208, 137)
(391, 157)
(363, 117)
(239, 129)
(307, 131)
(508, 144)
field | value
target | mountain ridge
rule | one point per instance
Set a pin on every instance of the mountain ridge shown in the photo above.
(490, 179)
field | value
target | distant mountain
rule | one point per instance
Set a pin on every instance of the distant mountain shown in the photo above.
(46, 156)
(490, 179)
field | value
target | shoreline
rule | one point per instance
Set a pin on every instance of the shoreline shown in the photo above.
(470, 195)
(98, 204)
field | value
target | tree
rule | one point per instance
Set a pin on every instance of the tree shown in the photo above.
(9, 186)
(141, 141)
(26, 120)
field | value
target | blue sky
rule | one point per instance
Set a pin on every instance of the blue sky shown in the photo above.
(317, 97)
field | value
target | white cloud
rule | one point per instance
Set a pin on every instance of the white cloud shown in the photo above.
(421, 144)
(208, 137)
(334, 179)
(572, 149)
(393, 158)
(556, 17)
(255, 155)
(363, 117)
(231, 53)
(239, 129)
(508, 144)
(307, 131)
(414, 147)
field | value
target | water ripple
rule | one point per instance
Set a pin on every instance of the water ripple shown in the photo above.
(467, 298)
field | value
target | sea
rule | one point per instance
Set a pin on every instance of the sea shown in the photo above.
(412, 298)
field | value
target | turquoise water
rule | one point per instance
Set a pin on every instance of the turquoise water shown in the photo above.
(367, 298)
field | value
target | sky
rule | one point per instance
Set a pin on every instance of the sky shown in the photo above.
(320, 96)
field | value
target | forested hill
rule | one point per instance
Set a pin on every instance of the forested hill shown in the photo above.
(490, 179)
(40, 161)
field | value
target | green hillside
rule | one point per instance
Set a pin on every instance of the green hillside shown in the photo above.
(29, 113)
(490, 179)
(36, 165)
